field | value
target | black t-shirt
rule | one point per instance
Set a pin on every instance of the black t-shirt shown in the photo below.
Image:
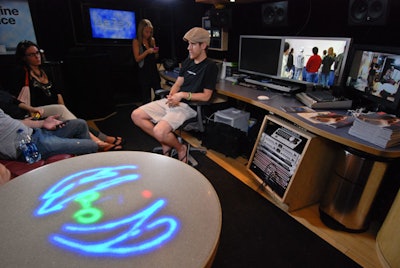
(41, 94)
(290, 61)
(199, 76)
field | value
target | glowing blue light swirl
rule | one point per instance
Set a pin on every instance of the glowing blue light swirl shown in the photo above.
(123, 243)
(56, 197)
(134, 234)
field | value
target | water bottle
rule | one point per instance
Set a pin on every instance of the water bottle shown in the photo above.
(27, 147)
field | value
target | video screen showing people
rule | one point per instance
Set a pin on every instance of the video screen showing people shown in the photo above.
(316, 60)
(375, 74)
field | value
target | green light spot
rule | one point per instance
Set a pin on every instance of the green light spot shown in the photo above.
(87, 214)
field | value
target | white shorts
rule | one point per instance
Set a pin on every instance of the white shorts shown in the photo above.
(175, 116)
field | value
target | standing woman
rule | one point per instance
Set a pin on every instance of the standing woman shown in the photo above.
(326, 64)
(145, 52)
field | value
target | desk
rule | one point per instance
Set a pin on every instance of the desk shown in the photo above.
(113, 209)
(277, 100)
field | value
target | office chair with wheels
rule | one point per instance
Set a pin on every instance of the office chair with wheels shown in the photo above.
(193, 124)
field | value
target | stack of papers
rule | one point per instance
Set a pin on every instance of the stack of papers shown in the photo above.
(379, 128)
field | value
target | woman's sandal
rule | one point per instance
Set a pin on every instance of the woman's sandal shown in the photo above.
(113, 147)
(118, 140)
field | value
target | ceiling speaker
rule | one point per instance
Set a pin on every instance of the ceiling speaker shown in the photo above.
(275, 14)
(368, 12)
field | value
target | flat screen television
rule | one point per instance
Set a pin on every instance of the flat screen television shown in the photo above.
(259, 55)
(373, 78)
(112, 24)
(302, 46)
(108, 26)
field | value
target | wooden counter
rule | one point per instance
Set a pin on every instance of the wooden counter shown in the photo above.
(277, 100)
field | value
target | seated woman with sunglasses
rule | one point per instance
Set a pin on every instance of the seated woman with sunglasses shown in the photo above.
(39, 90)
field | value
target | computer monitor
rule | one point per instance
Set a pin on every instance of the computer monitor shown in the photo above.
(302, 46)
(259, 55)
(373, 77)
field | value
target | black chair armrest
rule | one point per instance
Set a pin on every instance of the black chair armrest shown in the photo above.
(161, 93)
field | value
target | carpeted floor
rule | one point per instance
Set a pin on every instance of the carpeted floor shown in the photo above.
(255, 233)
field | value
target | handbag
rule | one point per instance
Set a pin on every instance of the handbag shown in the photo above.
(25, 93)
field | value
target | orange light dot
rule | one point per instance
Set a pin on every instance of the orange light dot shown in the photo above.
(146, 194)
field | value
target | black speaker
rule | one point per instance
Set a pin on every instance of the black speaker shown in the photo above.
(275, 14)
(367, 12)
(221, 18)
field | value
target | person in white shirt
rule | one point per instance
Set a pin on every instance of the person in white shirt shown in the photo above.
(299, 65)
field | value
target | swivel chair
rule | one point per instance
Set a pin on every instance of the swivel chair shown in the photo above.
(193, 124)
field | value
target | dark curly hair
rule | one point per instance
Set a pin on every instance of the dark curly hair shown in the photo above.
(20, 51)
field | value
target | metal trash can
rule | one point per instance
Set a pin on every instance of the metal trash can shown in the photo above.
(351, 191)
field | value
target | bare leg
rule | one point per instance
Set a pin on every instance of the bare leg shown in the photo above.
(5, 174)
(162, 132)
(142, 120)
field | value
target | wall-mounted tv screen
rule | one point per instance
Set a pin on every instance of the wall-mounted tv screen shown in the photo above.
(302, 51)
(112, 24)
(374, 77)
(101, 24)
(259, 55)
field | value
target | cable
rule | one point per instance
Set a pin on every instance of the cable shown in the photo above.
(308, 18)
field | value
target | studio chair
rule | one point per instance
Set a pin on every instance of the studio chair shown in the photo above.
(193, 124)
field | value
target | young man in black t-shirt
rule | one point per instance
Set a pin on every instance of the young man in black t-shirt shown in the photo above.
(196, 82)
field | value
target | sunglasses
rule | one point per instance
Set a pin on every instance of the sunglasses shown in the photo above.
(35, 54)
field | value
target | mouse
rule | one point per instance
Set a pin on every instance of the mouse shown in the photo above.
(263, 97)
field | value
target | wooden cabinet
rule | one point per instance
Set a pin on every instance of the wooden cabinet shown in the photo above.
(291, 163)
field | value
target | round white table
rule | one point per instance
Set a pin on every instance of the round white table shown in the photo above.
(113, 209)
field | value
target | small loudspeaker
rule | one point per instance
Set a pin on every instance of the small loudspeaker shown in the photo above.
(275, 14)
(367, 12)
(221, 18)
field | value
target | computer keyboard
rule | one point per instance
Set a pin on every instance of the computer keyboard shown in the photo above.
(273, 85)
(321, 96)
(312, 102)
